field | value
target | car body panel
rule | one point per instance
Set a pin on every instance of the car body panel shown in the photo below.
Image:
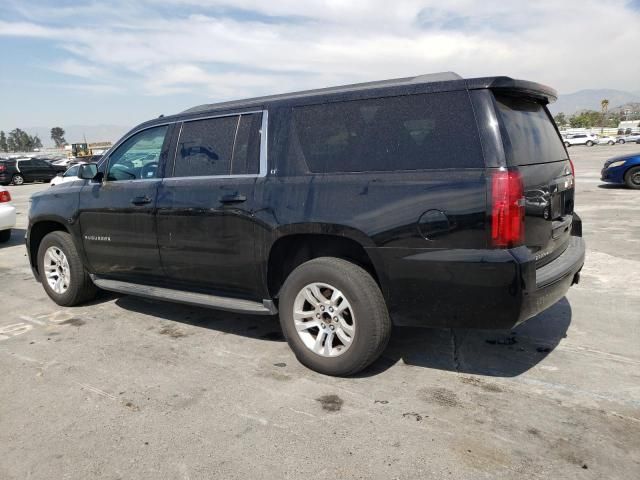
(425, 232)
(617, 174)
(7, 214)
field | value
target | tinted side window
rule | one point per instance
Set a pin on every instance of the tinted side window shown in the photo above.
(412, 132)
(219, 146)
(138, 157)
(205, 147)
(246, 152)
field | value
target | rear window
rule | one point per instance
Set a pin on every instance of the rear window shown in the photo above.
(528, 132)
(412, 132)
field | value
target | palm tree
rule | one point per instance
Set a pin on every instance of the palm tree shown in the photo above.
(604, 104)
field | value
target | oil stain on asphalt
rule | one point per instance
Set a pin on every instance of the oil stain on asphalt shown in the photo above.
(330, 403)
(76, 322)
(172, 331)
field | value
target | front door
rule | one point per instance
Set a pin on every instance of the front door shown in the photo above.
(117, 216)
(44, 171)
(206, 223)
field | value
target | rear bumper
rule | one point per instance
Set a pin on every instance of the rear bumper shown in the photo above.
(486, 289)
(551, 282)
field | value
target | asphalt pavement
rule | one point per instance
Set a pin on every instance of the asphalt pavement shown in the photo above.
(127, 388)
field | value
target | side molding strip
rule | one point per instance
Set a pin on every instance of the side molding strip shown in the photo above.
(200, 299)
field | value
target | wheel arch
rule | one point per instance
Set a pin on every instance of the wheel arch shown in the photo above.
(37, 231)
(294, 247)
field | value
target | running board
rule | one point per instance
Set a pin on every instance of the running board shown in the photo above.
(199, 299)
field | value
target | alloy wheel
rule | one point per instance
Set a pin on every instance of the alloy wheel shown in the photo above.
(56, 270)
(324, 319)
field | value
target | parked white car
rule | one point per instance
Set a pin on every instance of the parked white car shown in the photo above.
(71, 175)
(587, 139)
(7, 215)
(607, 140)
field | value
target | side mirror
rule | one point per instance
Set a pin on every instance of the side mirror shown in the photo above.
(88, 171)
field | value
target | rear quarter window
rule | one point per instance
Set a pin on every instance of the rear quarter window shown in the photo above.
(528, 132)
(411, 132)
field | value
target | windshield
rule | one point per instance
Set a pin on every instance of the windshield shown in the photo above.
(528, 132)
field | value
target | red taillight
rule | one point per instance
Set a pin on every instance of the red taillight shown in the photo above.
(507, 209)
(5, 196)
(573, 170)
(3, 167)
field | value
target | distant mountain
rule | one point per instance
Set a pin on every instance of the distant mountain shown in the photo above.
(590, 100)
(77, 133)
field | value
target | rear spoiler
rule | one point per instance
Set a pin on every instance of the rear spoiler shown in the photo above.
(512, 86)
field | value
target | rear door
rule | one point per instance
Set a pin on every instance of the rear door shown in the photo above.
(534, 147)
(117, 216)
(28, 170)
(206, 207)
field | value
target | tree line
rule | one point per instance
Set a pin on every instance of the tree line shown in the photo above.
(20, 141)
(590, 119)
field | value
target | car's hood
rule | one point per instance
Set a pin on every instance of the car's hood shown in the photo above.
(621, 157)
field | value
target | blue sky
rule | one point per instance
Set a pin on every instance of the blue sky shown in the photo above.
(121, 62)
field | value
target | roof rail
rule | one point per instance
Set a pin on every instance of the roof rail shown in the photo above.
(426, 78)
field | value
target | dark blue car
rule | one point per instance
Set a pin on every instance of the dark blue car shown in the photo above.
(624, 170)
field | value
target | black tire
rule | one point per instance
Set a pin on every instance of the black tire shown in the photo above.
(611, 142)
(5, 236)
(373, 325)
(621, 141)
(632, 178)
(81, 288)
(589, 143)
(567, 144)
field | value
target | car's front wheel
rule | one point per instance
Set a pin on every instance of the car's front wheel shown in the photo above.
(621, 141)
(632, 178)
(62, 273)
(567, 144)
(611, 142)
(17, 179)
(334, 316)
(589, 143)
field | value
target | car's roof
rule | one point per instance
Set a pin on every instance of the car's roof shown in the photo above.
(429, 83)
(442, 81)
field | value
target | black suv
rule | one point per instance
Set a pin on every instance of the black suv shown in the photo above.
(22, 170)
(431, 200)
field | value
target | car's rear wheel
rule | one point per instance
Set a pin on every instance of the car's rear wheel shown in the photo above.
(621, 141)
(632, 178)
(62, 273)
(589, 143)
(334, 316)
(5, 236)
(17, 179)
(611, 142)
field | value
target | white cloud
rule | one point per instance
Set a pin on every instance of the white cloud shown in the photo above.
(569, 45)
(78, 69)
